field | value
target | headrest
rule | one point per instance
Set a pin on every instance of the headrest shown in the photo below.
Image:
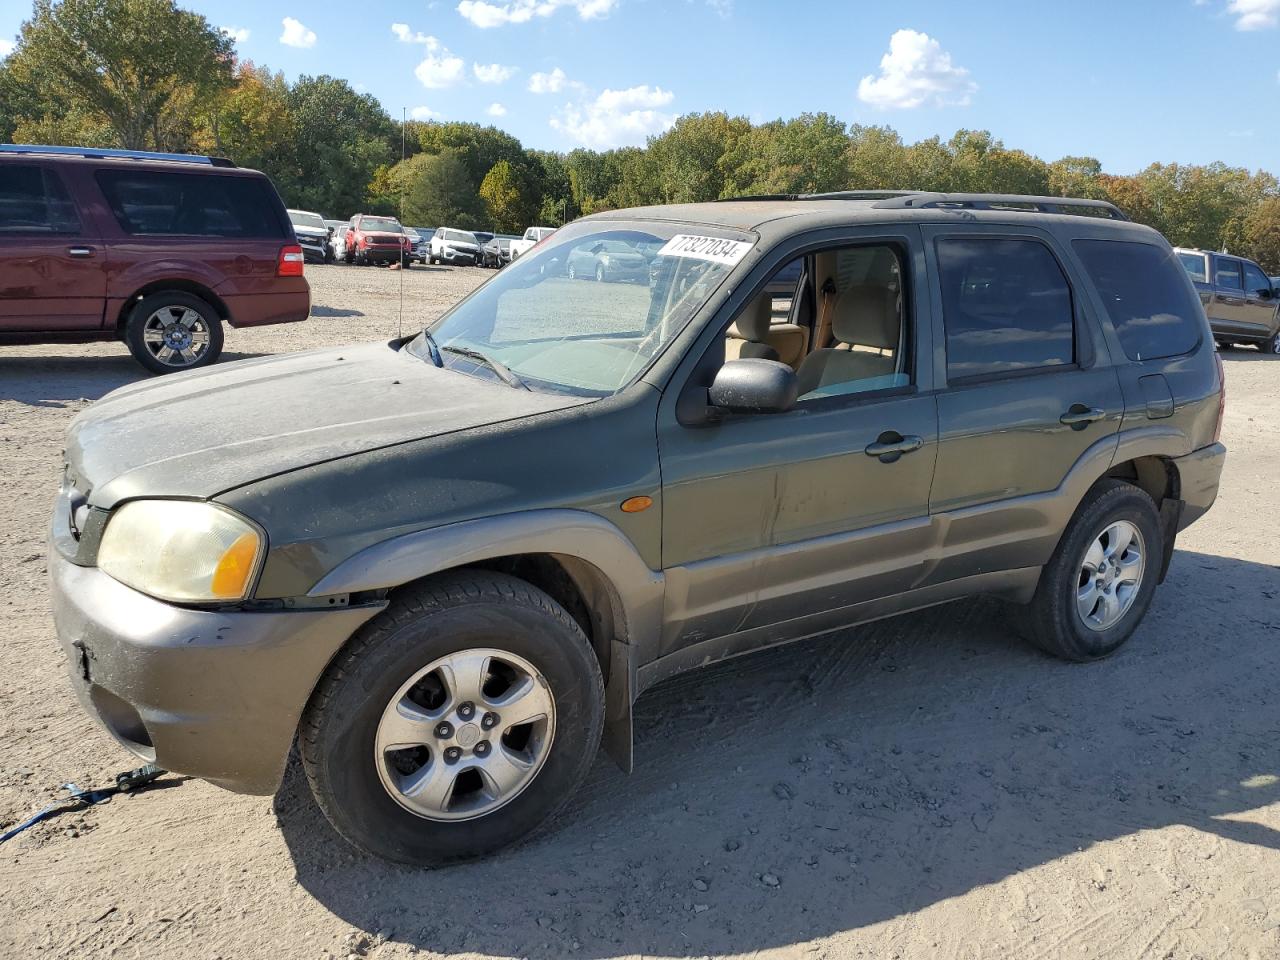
(754, 320)
(867, 316)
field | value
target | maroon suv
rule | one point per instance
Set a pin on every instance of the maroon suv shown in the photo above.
(157, 250)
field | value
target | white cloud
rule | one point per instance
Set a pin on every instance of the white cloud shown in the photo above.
(552, 82)
(1255, 14)
(238, 34)
(485, 15)
(441, 70)
(916, 71)
(296, 35)
(423, 113)
(616, 117)
(6, 47)
(405, 35)
(496, 110)
(492, 72)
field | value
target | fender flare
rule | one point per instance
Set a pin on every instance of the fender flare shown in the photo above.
(572, 533)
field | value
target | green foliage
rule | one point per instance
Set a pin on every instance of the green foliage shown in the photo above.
(439, 191)
(139, 68)
(147, 74)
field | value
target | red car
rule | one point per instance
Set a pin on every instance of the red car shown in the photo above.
(156, 250)
(375, 240)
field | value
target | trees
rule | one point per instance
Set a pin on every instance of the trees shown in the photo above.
(439, 191)
(139, 69)
(510, 196)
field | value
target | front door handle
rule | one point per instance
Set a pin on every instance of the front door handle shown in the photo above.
(80, 251)
(889, 446)
(1080, 416)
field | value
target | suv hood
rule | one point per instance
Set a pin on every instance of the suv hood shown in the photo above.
(310, 232)
(209, 431)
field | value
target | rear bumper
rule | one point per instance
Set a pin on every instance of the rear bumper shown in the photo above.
(260, 309)
(1198, 475)
(213, 694)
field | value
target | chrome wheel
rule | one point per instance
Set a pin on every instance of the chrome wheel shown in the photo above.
(465, 734)
(176, 336)
(1110, 575)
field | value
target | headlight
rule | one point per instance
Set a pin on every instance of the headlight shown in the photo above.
(181, 550)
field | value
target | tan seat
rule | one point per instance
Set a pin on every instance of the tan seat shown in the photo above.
(748, 335)
(862, 316)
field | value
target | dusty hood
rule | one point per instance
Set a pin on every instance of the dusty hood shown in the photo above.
(200, 434)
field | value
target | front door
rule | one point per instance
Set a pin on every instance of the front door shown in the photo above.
(52, 275)
(1259, 300)
(771, 518)
(1027, 394)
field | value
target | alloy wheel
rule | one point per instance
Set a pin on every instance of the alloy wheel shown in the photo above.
(176, 336)
(465, 735)
(1110, 575)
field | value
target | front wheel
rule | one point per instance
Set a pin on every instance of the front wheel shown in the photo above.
(172, 330)
(1271, 345)
(456, 722)
(1097, 586)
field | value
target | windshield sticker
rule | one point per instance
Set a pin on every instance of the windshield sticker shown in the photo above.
(716, 249)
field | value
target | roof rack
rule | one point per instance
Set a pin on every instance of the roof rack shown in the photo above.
(1004, 202)
(97, 153)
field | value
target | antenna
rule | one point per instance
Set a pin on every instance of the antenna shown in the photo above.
(404, 264)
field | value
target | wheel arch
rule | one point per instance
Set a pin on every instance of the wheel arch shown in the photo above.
(581, 560)
(192, 287)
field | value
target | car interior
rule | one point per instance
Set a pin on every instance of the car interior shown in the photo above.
(838, 324)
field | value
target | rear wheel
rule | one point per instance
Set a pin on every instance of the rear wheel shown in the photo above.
(457, 722)
(173, 330)
(1099, 582)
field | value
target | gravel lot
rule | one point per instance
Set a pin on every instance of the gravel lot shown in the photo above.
(923, 787)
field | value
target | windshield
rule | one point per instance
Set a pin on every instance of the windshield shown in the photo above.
(458, 236)
(381, 224)
(551, 322)
(300, 219)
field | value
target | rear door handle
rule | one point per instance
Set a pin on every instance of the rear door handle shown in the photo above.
(80, 251)
(1080, 416)
(889, 446)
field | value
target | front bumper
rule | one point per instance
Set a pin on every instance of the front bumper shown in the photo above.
(216, 694)
(1198, 475)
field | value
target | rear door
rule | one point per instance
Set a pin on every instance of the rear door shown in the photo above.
(1026, 393)
(52, 274)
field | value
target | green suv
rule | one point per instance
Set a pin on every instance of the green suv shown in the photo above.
(447, 565)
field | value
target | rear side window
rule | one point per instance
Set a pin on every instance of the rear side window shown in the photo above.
(1006, 306)
(1152, 310)
(1194, 265)
(1228, 274)
(33, 200)
(189, 204)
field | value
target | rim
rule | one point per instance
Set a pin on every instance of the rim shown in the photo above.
(176, 336)
(465, 735)
(1110, 575)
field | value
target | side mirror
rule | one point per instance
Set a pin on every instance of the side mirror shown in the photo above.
(753, 386)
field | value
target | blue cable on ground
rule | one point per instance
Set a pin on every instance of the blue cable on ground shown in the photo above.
(80, 799)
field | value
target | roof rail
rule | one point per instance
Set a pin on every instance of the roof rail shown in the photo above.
(97, 153)
(1004, 202)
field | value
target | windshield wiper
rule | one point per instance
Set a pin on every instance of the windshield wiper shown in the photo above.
(505, 373)
(432, 349)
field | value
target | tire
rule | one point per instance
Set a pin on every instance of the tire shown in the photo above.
(571, 272)
(425, 624)
(1054, 621)
(600, 273)
(1270, 345)
(192, 323)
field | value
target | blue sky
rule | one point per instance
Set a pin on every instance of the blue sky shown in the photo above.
(1127, 81)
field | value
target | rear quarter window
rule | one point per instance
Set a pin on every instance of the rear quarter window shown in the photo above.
(1153, 311)
(154, 203)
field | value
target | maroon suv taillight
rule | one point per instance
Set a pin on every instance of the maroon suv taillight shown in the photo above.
(290, 262)
(1222, 398)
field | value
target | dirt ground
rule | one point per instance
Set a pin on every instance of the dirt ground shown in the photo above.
(923, 787)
